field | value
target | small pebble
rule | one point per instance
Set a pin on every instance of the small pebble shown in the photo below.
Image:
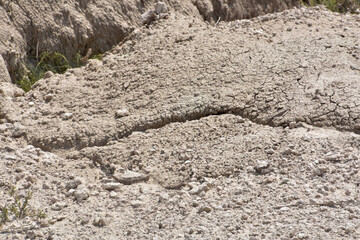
(113, 194)
(70, 193)
(58, 206)
(74, 183)
(284, 209)
(48, 97)
(136, 203)
(160, 7)
(19, 169)
(292, 125)
(204, 209)
(111, 185)
(81, 193)
(85, 221)
(48, 74)
(320, 171)
(67, 116)
(45, 186)
(99, 222)
(121, 113)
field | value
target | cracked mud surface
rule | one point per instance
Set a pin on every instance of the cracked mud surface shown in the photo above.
(272, 80)
(246, 130)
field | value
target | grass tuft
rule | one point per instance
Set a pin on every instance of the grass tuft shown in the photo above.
(19, 208)
(97, 56)
(47, 61)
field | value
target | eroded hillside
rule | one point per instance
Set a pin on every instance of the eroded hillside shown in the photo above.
(187, 129)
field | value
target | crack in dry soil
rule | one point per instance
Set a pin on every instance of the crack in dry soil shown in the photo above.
(160, 121)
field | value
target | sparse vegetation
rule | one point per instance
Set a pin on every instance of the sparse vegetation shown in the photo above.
(336, 5)
(47, 61)
(19, 208)
(97, 56)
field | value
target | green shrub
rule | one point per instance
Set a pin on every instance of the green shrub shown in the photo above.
(48, 61)
(336, 5)
(55, 62)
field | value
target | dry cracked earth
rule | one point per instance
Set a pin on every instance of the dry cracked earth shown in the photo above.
(247, 129)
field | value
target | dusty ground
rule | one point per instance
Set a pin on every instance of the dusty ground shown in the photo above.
(244, 130)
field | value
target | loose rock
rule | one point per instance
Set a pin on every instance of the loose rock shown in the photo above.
(204, 209)
(81, 193)
(48, 97)
(130, 177)
(58, 206)
(100, 222)
(67, 116)
(199, 189)
(113, 194)
(48, 74)
(111, 185)
(148, 17)
(136, 203)
(262, 167)
(320, 171)
(160, 7)
(74, 183)
(121, 113)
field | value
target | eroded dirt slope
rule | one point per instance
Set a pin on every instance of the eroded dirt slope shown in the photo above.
(246, 130)
(29, 28)
(278, 72)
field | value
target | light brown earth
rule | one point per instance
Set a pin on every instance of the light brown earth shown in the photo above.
(247, 129)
